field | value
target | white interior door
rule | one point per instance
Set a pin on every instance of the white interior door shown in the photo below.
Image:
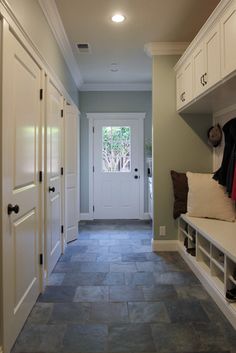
(71, 173)
(117, 169)
(20, 237)
(54, 178)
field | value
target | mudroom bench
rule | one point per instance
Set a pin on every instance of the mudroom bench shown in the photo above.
(212, 257)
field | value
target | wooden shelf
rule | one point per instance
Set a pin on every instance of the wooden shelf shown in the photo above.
(232, 280)
(215, 262)
(204, 251)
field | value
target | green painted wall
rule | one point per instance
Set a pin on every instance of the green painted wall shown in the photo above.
(108, 102)
(32, 19)
(178, 143)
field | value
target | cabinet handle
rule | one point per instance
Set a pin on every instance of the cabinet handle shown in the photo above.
(205, 76)
(183, 97)
(201, 79)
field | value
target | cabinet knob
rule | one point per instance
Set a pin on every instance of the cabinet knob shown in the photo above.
(51, 189)
(11, 208)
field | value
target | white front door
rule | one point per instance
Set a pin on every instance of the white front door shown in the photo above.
(20, 145)
(117, 169)
(54, 178)
(71, 173)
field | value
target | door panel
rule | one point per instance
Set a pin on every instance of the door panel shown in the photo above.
(198, 69)
(228, 35)
(21, 121)
(116, 190)
(71, 174)
(53, 172)
(212, 45)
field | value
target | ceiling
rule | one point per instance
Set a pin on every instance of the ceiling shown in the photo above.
(89, 21)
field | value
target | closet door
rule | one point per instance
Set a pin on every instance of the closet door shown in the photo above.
(53, 175)
(20, 188)
(71, 173)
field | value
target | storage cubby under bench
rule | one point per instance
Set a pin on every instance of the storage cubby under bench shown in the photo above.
(214, 262)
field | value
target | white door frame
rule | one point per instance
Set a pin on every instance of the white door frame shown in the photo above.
(116, 116)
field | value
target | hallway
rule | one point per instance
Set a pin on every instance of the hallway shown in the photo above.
(110, 293)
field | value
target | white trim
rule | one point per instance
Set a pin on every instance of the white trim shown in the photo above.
(111, 116)
(164, 245)
(54, 20)
(209, 286)
(122, 116)
(86, 87)
(85, 217)
(146, 216)
(208, 24)
(165, 48)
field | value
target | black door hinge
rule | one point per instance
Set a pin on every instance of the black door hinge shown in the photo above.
(93, 129)
(41, 259)
(93, 169)
(62, 113)
(40, 176)
(41, 94)
(93, 208)
(62, 170)
(62, 229)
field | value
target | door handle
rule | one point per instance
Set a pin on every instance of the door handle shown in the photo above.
(11, 208)
(51, 189)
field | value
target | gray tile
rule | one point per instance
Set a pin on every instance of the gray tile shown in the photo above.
(95, 267)
(186, 311)
(130, 338)
(123, 267)
(114, 279)
(84, 279)
(108, 257)
(86, 257)
(109, 242)
(134, 257)
(70, 313)
(121, 249)
(85, 339)
(150, 312)
(55, 279)
(139, 279)
(175, 338)
(126, 293)
(92, 294)
(159, 293)
(55, 294)
(192, 292)
(109, 312)
(178, 278)
(40, 313)
(40, 338)
(99, 250)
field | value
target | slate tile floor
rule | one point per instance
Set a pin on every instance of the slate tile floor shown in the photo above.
(110, 293)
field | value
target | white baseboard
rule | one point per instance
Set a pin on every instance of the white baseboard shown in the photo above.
(146, 216)
(208, 284)
(85, 217)
(164, 245)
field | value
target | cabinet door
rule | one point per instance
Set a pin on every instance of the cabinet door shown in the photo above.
(179, 89)
(228, 38)
(212, 50)
(187, 82)
(198, 70)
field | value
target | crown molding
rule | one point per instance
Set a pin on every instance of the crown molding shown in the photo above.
(54, 20)
(86, 87)
(165, 48)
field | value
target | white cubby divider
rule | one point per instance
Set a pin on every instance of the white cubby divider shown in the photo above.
(214, 262)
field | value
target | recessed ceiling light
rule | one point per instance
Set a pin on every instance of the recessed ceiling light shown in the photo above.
(118, 18)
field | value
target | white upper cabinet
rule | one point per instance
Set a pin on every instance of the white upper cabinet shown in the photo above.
(206, 62)
(184, 84)
(212, 72)
(228, 38)
(210, 58)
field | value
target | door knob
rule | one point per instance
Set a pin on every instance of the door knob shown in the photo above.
(51, 189)
(135, 169)
(11, 208)
(136, 177)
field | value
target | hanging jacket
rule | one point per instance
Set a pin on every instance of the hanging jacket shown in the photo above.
(225, 174)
